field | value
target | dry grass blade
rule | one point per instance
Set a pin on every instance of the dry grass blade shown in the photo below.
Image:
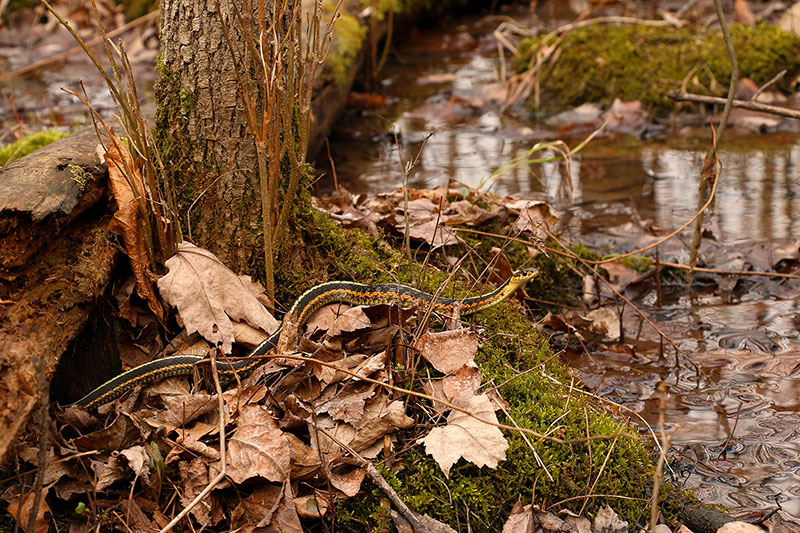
(139, 163)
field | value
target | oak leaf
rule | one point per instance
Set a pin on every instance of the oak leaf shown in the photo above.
(448, 351)
(208, 295)
(258, 448)
(476, 441)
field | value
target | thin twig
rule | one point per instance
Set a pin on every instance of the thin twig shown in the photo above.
(666, 438)
(424, 396)
(711, 154)
(602, 467)
(743, 104)
(224, 461)
(402, 508)
(44, 429)
(761, 89)
(728, 440)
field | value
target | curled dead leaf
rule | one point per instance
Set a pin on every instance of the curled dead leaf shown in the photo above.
(128, 221)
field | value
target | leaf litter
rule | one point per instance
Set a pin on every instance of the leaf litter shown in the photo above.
(292, 427)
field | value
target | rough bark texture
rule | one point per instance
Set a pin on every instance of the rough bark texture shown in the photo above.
(202, 121)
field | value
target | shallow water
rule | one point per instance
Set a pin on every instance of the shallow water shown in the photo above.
(739, 368)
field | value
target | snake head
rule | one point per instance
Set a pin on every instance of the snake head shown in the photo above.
(521, 276)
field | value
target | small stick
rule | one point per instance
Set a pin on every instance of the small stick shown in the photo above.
(728, 440)
(404, 510)
(775, 78)
(744, 104)
(44, 423)
(666, 438)
(381, 482)
(222, 453)
(658, 280)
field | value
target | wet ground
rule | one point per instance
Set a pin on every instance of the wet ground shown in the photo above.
(734, 397)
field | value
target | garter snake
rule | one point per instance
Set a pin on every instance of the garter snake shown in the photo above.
(314, 298)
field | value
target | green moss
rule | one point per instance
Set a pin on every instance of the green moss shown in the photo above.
(138, 8)
(182, 157)
(635, 62)
(80, 175)
(28, 144)
(510, 347)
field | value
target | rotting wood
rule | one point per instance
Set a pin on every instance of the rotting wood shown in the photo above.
(46, 304)
(42, 193)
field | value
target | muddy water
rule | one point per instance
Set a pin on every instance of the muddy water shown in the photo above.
(734, 395)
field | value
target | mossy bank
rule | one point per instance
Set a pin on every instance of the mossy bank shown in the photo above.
(635, 62)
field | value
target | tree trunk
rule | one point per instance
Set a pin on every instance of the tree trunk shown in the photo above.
(203, 132)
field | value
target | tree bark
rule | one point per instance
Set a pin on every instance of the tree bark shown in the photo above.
(203, 132)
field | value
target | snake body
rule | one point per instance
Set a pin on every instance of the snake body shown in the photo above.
(311, 300)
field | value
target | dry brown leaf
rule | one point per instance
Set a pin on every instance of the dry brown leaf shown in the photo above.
(194, 475)
(136, 519)
(433, 525)
(346, 406)
(246, 335)
(435, 235)
(479, 443)
(330, 434)
(535, 217)
(129, 192)
(380, 418)
(607, 521)
(208, 295)
(529, 519)
(258, 508)
(22, 511)
(285, 519)
(349, 483)
(448, 351)
(520, 520)
(53, 470)
(460, 387)
(501, 266)
(138, 460)
(304, 459)
(338, 318)
(604, 322)
(421, 209)
(181, 409)
(467, 213)
(311, 506)
(107, 472)
(258, 448)
(434, 387)
(116, 436)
